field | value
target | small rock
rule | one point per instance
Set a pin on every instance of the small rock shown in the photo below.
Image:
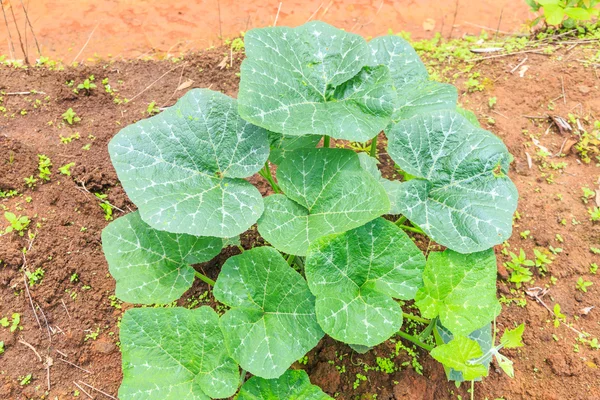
(104, 347)
(584, 89)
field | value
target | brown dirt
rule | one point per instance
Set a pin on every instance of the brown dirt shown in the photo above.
(545, 368)
(135, 27)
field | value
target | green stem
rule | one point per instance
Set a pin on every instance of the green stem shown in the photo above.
(204, 278)
(416, 318)
(266, 173)
(242, 377)
(326, 141)
(411, 229)
(241, 248)
(290, 259)
(401, 220)
(414, 340)
(374, 147)
(427, 331)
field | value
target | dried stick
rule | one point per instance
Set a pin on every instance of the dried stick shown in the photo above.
(277, 15)
(453, 20)
(98, 390)
(32, 349)
(12, 45)
(315, 13)
(45, 320)
(499, 22)
(148, 87)
(31, 27)
(75, 365)
(512, 71)
(29, 294)
(18, 33)
(86, 43)
(66, 309)
(83, 390)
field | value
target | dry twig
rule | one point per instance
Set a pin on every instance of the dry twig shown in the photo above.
(98, 390)
(32, 349)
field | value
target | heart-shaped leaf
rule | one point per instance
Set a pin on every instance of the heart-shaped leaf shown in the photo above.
(459, 354)
(461, 196)
(292, 385)
(183, 168)
(282, 145)
(272, 320)
(356, 276)
(326, 191)
(460, 289)
(416, 93)
(392, 188)
(173, 354)
(313, 79)
(482, 336)
(152, 266)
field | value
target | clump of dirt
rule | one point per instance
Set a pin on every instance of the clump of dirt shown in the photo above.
(74, 297)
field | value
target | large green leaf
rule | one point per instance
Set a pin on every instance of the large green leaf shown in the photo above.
(461, 196)
(292, 385)
(326, 191)
(392, 188)
(152, 266)
(272, 320)
(282, 145)
(482, 336)
(416, 93)
(356, 276)
(174, 354)
(460, 289)
(183, 168)
(459, 354)
(313, 79)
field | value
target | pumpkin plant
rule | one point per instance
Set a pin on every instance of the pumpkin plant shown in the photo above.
(338, 261)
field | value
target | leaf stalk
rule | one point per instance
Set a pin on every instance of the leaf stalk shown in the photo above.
(204, 278)
(414, 340)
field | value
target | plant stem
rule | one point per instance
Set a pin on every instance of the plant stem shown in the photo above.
(242, 377)
(241, 248)
(326, 141)
(266, 173)
(411, 229)
(414, 340)
(290, 259)
(401, 220)
(427, 331)
(204, 278)
(374, 147)
(416, 318)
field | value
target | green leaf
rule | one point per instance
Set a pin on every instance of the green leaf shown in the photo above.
(152, 266)
(402, 60)
(282, 145)
(272, 320)
(313, 79)
(416, 93)
(356, 276)
(553, 13)
(173, 354)
(506, 364)
(512, 338)
(458, 354)
(469, 115)
(292, 385)
(578, 13)
(461, 196)
(460, 289)
(482, 336)
(392, 188)
(326, 191)
(184, 167)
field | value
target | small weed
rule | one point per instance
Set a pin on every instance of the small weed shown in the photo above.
(44, 165)
(152, 109)
(70, 116)
(30, 182)
(25, 380)
(583, 284)
(87, 85)
(17, 224)
(587, 194)
(35, 277)
(594, 214)
(66, 169)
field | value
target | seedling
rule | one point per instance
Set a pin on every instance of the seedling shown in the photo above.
(186, 169)
(17, 224)
(15, 320)
(66, 169)
(152, 109)
(44, 165)
(35, 277)
(70, 116)
(587, 194)
(582, 284)
(594, 214)
(87, 85)
(30, 182)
